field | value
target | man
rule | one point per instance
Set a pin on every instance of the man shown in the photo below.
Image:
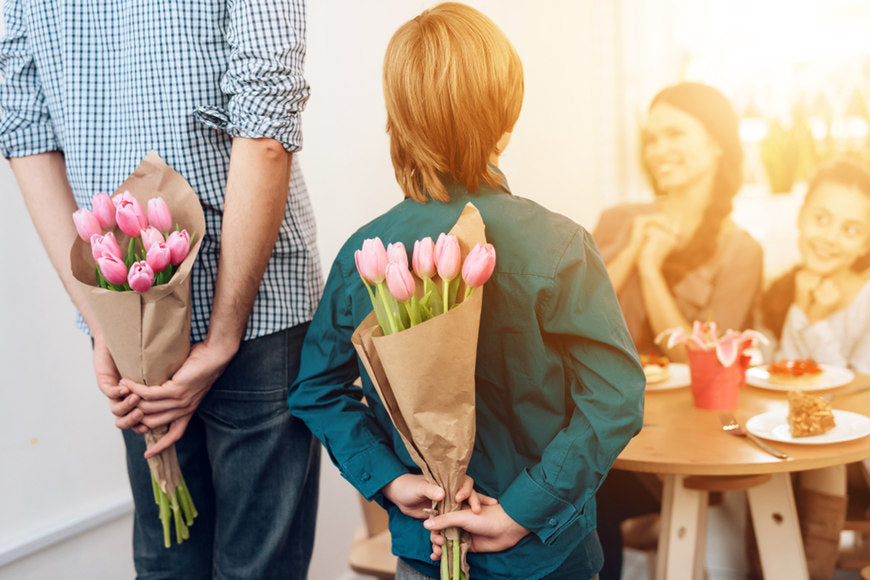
(216, 89)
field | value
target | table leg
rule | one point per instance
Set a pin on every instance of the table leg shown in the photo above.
(774, 518)
(684, 531)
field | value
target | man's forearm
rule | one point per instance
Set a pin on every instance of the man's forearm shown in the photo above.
(49, 199)
(256, 196)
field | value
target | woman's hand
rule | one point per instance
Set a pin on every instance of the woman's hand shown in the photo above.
(660, 240)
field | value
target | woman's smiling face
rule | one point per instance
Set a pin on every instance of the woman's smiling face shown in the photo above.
(833, 228)
(677, 149)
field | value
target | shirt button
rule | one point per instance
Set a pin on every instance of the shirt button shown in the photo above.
(552, 522)
(366, 477)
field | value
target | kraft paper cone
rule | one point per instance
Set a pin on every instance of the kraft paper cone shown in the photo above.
(424, 376)
(148, 334)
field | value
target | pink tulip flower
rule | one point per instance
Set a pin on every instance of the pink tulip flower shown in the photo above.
(151, 236)
(448, 257)
(105, 243)
(104, 209)
(158, 256)
(479, 265)
(399, 281)
(129, 215)
(371, 261)
(86, 224)
(396, 253)
(423, 259)
(159, 215)
(179, 246)
(140, 277)
(112, 268)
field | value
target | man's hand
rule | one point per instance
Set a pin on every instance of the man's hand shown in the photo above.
(491, 530)
(122, 401)
(174, 402)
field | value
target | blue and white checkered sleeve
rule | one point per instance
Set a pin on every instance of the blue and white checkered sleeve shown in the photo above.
(264, 78)
(25, 123)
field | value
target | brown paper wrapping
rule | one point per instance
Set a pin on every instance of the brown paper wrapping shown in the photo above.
(148, 334)
(425, 378)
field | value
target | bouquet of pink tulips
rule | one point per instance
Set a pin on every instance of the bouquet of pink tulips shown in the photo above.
(153, 251)
(432, 310)
(393, 288)
(140, 297)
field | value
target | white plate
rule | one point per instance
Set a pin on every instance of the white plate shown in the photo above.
(774, 425)
(831, 377)
(679, 378)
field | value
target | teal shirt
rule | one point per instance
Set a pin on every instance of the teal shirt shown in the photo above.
(559, 384)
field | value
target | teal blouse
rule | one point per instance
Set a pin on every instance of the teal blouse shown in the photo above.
(559, 384)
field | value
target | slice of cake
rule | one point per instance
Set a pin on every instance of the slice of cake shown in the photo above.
(795, 372)
(809, 415)
(656, 367)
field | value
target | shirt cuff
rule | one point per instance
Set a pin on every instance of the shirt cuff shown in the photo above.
(286, 129)
(28, 139)
(537, 509)
(371, 470)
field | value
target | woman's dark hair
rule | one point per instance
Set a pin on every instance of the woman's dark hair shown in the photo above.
(779, 296)
(715, 112)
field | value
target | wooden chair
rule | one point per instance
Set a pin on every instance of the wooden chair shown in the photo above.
(370, 552)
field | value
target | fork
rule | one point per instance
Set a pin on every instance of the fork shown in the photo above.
(730, 425)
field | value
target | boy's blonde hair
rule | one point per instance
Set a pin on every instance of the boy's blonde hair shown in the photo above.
(453, 85)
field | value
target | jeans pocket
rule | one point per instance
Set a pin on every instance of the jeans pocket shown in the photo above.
(253, 388)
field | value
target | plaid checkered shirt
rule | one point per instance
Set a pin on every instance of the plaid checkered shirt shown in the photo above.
(107, 81)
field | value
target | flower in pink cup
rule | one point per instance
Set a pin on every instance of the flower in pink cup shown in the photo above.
(105, 243)
(151, 236)
(179, 246)
(159, 215)
(129, 215)
(104, 209)
(140, 277)
(86, 224)
(158, 256)
(113, 268)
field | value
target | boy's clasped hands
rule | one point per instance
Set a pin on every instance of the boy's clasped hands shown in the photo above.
(482, 517)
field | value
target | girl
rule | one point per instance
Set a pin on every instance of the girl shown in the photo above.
(821, 310)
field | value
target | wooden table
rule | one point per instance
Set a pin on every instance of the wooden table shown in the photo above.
(688, 448)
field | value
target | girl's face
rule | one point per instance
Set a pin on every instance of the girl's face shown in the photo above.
(833, 228)
(677, 149)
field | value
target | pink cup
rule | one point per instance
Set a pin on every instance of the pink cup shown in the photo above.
(715, 386)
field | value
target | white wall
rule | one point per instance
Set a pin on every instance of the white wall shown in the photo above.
(62, 461)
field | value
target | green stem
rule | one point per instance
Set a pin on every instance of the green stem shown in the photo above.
(445, 286)
(455, 559)
(383, 293)
(445, 568)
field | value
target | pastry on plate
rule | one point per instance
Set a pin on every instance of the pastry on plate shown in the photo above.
(795, 372)
(809, 415)
(656, 368)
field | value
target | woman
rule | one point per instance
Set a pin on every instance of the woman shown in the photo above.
(681, 258)
(677, 259)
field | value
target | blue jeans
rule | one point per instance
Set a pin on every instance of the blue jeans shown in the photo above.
(252, 470)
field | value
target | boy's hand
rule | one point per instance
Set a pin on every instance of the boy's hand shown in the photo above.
(413, 495)
(491, 530)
